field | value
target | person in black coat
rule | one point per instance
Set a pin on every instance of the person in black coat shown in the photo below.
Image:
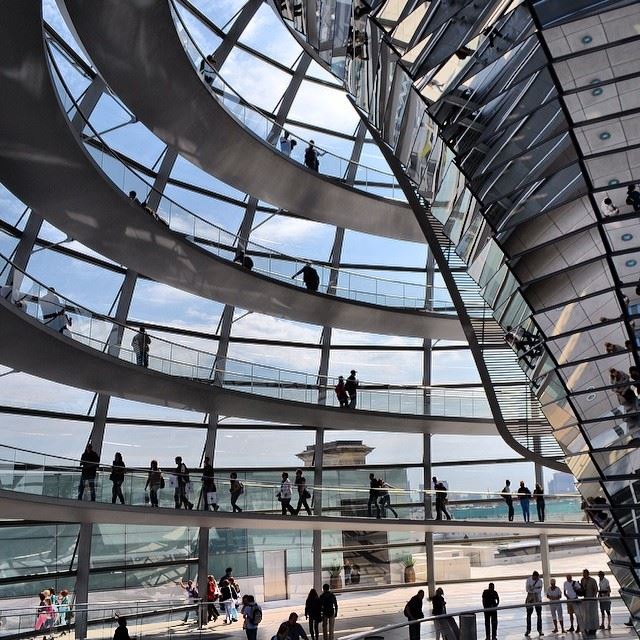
(121, 632)
(313, 613)
(413, 611)
(490, 600)
(117, 478)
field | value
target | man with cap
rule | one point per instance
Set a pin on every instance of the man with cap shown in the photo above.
(351, 386)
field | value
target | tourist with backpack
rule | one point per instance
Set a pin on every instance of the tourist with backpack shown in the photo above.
(236, 489)
(252, 615)
(182, 485)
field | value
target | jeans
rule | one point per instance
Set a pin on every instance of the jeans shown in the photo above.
(352, 401)
(540, 508)
(328, 623)
(490, 624)
(153, 496)
(524, 505)
(373, 500)
(538, 609)
(414, 631)
(116, 492)
(313, 629)
(230, 611)
(92, 487)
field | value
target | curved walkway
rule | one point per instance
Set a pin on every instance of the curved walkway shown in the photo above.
(44, 163)
(46, 508)
(27, 345)
(136, 47)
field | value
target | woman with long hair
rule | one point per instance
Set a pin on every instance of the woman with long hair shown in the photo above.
(313, 613)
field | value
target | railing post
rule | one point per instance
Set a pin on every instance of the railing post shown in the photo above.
(468, 628)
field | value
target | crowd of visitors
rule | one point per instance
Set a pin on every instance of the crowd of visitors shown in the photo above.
(588, 605)
(289, 492)
(524, 496)
(583, 599)
(54, 612)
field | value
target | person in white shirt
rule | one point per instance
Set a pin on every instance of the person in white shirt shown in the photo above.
(608, 208)
(604, 595)
(570, 594)
(554, 594)
(284, 495)
(533, 587)
(287, 144)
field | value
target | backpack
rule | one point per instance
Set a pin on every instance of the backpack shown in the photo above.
(241, 488)
(256, 615)
(406, 612)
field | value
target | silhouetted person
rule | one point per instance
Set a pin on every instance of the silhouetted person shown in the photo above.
(490, 600)
(303, 494)
(117, 478)
(310, 277)
(140, 343)
(182, 481)
(413, 611)
(89, 462)
(633, 197)
(329, 606)
(374, 494)
(508, 498)
(311, 155)
(351, 387)
(524, 495)
(538, 494)
(441, 499)
(341, 393)
(244, 260)
(121, 632)
(209, 489)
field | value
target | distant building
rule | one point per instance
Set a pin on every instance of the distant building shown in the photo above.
(366, 550)
(561, 483)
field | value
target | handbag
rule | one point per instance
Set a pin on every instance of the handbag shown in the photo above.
(306, 494)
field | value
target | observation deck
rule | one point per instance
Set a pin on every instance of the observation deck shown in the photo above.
(91, 352)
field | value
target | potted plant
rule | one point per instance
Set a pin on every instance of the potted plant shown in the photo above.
(335, 581)
(409, 563)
